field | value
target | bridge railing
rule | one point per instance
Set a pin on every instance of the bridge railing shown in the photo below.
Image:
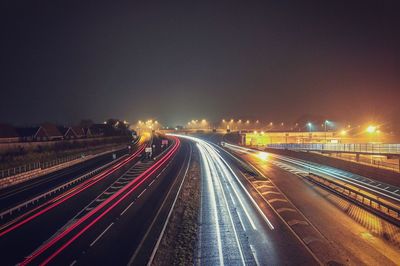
(368, 148)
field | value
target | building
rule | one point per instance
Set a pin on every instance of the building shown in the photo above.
(32, 134)
(264, 138)
(53, 133)
(78, 131)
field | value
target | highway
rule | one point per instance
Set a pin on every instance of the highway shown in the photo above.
(13, 195)
(356, 237)
(235, 228)
(377, 188)
(54, 228)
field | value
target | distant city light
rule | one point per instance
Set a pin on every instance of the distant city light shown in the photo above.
(371, 129)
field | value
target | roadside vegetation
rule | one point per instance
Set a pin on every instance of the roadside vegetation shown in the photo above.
(178, 245)
(62, 149)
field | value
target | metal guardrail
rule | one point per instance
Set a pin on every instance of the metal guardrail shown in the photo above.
(386, 211)
(365, 148)
(36, 199)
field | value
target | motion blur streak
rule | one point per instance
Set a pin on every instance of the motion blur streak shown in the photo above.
(130, 188)
(234, 230)
(67, 195)
(217, 158)
(342, 175)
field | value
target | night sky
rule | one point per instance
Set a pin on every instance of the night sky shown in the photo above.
(62, 61)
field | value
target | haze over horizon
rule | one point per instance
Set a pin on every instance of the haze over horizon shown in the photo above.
(63, 62)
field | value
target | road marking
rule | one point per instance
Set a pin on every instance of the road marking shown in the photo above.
(277, 199)
(94, 242)
(285, 209)
(234, 203)
(254, 254)
(248, 194)
(73, 263)
(141, 193)
(244, 208)
(386, 187)
(294, 222)
(241, 221)
(219, 165)
(170, 211)
(151, 182)
(122, 213)
(396, 191)
(270, 192)
(264, 186)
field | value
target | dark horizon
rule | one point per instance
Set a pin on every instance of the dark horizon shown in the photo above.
(63, 62)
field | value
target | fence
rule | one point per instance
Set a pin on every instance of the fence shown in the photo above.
(365, 148)
(37, 165)
(44, 165)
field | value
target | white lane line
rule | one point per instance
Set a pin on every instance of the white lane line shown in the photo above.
(141, 193)
(151, 183)
(234, 202)
(244, 209)
(227, 173)
(241, 221)
(270, 225)
(123, 212)
(150, 261)
(396, 191)
(253, 250)
(210, 186)
(386, 187)
(73, 263)
(102, 233)
(217, 164)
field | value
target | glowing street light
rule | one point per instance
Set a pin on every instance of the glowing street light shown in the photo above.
(309, 125)
(371, 129)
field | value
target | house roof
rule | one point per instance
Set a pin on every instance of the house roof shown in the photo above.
(52, 130)
(78, 131)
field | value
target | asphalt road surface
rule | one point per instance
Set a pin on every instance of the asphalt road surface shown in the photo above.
(236, 229)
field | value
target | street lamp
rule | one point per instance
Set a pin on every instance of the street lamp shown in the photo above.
(309, 125)
(325, 124)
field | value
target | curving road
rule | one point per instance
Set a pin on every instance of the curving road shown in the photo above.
(236, 229)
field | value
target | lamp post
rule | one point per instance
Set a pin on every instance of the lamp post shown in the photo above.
(325, 122)
(309, 125)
